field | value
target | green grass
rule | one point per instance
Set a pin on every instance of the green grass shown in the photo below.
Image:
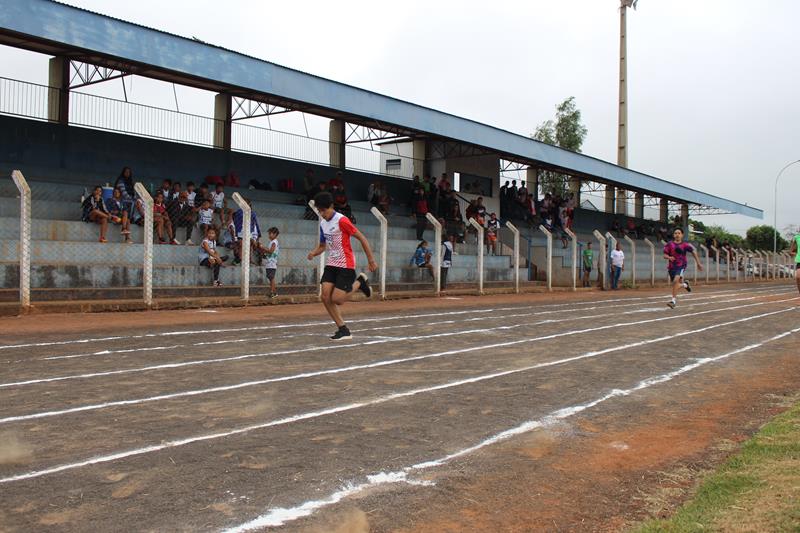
(758, 489)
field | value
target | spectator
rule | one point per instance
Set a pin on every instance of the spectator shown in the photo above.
(125, 182)
(472, 210)
(161, 220)
(422, 257)
(166, 188)
(492, 228)
(529, 210)
(336, 181)
(271, 254)
(137, 212)
(420, 210)
(446, 203)
(444, 184)
(374, 192)
(308, 183)
(447, 259)
(588, 260)
(340, 203)
(431, 194)
(205, 217)
(616, 227)
(630, 229)
(181, 214)
(384, 201)
(321, 187)
(480, 210)
(617, 265)
(119, 214)
(209, 256)
(237, 219)
(174, 194)
(219, 204)
(191, 193)
(455, 222)
(94, 210)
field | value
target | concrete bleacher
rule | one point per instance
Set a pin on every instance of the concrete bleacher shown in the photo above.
(65, 254)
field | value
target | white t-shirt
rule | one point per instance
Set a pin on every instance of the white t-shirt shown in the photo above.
(617, 258)
(191, 196)
(272, 258)
(217, 199)
(212, 246)
(205, 216)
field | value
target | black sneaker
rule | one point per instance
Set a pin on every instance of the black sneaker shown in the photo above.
(671, 304)
(364, 287)
(343, 333)
(688, 287)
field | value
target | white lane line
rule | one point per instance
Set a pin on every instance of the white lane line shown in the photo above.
(323, 412)
(166, 366)
(772, 291)
(280, 516)
(358, 320)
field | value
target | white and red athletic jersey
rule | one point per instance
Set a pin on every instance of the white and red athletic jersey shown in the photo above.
(335, 233)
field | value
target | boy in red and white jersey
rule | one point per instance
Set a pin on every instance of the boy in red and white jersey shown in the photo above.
(339, 278)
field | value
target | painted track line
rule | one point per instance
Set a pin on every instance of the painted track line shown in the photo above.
(280, 516)
(197, 362)
(315, 414)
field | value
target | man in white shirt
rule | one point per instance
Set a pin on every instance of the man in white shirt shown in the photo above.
(617, 265)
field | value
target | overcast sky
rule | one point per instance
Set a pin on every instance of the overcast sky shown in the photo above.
(713, 84)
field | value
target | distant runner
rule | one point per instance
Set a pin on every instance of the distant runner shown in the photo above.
(675, 253)
(796, 251)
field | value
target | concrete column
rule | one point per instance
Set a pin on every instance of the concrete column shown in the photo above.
(222, 121)
(336, 137)
(532, 179)
(418, 152)
(622, 202)
(575, 188)
(664, 210)
(610, 199)
(685, 217)
(638, 205)
(58, 94)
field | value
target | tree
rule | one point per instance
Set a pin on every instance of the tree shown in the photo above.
(566, 131)
(761, 238)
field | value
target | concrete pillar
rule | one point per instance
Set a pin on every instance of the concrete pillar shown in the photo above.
(622, 202)
(532, 179)
(418, 152)
(222, 121)
(664, 210)
(638, 205)
(609, 198)
(58, 94)
(685, 217)
(575, 188)
(336, 138)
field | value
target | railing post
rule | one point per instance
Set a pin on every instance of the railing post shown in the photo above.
(652, 261)
(147, 267)
(472, 222)
(437, 256)
(601, 259)
(728, 265)
(549, 258)
(760, 265)
(384, 247)
(245, 258)
(24, 238)
(574, 258)
(716, 258)
(705, 249)
(322, 255)
(664, 243)
(735, 259)
(515, 231)
(633, 253)
(744, 258)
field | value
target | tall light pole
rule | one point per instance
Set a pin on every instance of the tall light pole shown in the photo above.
(622, 136)
(775, 209)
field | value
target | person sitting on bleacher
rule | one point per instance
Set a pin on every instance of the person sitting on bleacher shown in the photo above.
(166, 188)
(340, 203)
(161, 220)
(209, 257)
(219, 204)
(125, 183)
(174, 194)
(119, 214)
(181, 214)
(94, 210)
(455, 223)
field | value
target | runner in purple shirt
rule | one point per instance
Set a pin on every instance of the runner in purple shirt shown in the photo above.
(675, 253)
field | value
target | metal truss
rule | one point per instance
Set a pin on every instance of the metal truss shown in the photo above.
(244, 108)
(704, 210)
(512, 166)
(357, 133)
(451, 149)
(83, 74)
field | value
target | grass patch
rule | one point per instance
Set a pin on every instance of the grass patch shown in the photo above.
(758, 489)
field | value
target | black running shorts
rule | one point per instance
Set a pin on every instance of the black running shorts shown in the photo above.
(342, 278)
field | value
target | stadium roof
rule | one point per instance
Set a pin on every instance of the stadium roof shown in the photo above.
(53, 28)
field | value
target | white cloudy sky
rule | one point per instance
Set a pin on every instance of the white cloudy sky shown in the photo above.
(713, 84)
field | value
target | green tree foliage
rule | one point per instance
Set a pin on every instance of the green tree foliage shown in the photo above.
(566, 131)
(761, 238)
(722, 236)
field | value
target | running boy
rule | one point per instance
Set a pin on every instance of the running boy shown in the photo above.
(339, 277)
(675, 253)
(273, 249)
(796, 251)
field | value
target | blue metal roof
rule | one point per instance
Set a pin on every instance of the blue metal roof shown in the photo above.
(81, 29)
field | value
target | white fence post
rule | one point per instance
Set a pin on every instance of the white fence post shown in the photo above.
(744, 258)
(24, 238)
(322, 255)
(147, 267)
(652, 261)
(479, 229)
(664, 243)
(601, 259)
(384, 247)
(549, 259)
(735, 259)
(574, 258)
(633, 253)
(728, 265)
(437, 256)
(760, 265)
(515, 231)
(245, 253)
(716, 258)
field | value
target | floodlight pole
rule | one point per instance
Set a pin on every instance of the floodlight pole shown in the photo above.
(775, 208)
(622, 134)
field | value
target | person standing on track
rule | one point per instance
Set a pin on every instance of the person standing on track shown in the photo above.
(675, 253)
(796, 251)
(339, 278)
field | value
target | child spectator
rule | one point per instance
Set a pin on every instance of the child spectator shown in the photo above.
(420, 209)
(455, 222)
(125, 182)
(174, 194)
(166, 188)
(161, 220)
(205, 217)
(119, 215)
(588, 259)
(209, 256)
(422, 257)
(340, 202)
(237, 220)
(181, 214)
(447, 259)
(492, 228)
(190, 192)
(94, 210)
(137, 212)
(218, 203)
(273, 249)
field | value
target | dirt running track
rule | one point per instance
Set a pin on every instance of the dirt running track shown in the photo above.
(561, 412)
